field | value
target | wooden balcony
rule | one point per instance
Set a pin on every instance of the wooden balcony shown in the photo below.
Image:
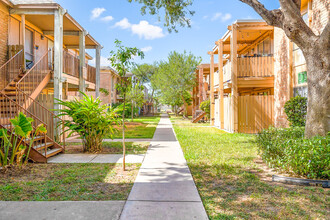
(255, 66)
(91, 74)
(250, 67)
(71, 67)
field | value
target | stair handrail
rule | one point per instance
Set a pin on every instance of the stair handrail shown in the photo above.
(20, 108)
(16, 59)
(29, 74)
(46, 111)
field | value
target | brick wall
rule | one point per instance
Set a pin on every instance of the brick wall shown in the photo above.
(320, 15)
(282, 76)
(4, 16)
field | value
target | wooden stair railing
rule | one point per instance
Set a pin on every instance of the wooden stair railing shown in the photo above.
(11, 70)
(21, 93)
(51, 119)
(43, 147)
(36, 78)
(199, 116)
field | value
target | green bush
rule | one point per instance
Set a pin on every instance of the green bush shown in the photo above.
(91, 120)
(288, 150)
(205, 106)
(128, 109)
(296, 110)
(11, 147)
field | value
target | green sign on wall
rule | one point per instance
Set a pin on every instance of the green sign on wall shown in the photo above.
(302, 77)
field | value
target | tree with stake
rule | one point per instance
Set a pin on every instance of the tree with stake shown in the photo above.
(314, 46)
(121, 60)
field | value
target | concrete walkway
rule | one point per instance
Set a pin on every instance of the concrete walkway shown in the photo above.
(164, 187)
(78, 140)
(96, 158)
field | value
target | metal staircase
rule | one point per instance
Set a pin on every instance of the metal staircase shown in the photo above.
(18, 90)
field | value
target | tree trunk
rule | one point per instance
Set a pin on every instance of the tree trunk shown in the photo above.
(132, 108)
(123, 117)
(318, 79)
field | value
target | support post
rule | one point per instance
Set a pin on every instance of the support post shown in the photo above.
(23, 39)
(98, 67)
(234, 89)
(82, 62)
(201, 84)
(212, 87)
(58, 62)
(220, 67)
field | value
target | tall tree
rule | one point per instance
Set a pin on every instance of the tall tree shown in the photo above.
(315, 48)
(176, 77)
(122, 61)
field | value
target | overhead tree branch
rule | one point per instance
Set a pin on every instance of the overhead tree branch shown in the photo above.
(273, 17)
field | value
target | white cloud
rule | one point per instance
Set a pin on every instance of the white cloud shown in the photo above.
(146, 49)
(216, 16)
(226, 17)
(222, 17)
(123, 24)
(107, 18)
(147, 31)
(143, 29)
(205, 16)
(103, 61)
(96, 12)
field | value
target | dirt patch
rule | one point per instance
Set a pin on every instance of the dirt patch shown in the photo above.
(62, 182)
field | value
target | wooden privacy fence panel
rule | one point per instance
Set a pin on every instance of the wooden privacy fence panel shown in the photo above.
(255, 66)
(227, 114)
(255, 113)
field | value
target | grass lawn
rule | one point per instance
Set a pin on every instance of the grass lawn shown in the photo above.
(234, 183)
(142, 127)
(180, 121)
(112, 148)
(60, 182)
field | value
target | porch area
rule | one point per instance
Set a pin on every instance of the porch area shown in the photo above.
(243, 87)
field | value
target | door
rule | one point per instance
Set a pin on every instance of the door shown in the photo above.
(29, 57)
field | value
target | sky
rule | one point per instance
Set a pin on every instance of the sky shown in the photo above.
(107, 20)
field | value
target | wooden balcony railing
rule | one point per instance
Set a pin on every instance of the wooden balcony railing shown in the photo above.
(250, 67)
(70, 64)
(255, 66)
(91, 73)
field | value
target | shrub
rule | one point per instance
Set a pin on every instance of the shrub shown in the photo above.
(11, 147)
(128, 109)
(296, 110)
(205, 106)
(92, 121)
(288, 150)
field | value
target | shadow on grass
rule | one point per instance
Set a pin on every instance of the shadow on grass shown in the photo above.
(67, 182)
(230, 192)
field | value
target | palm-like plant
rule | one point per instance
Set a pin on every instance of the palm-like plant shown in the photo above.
(90, 120)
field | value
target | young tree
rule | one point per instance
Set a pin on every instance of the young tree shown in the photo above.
(315, 48)
(121, 60)
(176, 77)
